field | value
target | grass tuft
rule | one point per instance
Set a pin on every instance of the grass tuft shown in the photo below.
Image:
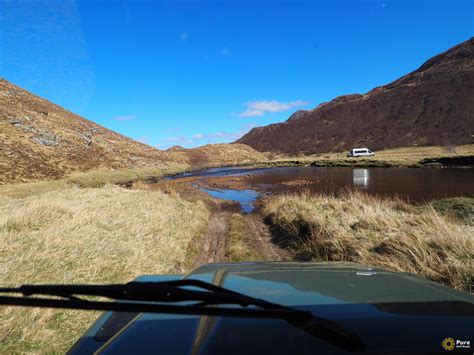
(461, 208)
(86, 235)
(388, 233)
(239, 246)
(99, 178)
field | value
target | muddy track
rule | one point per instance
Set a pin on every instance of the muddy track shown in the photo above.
(263, 241)
(216, 239)
(213, 246)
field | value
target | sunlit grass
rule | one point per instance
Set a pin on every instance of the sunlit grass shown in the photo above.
(405, 156)
(388, 233)
(98, 178)
(239, 244)
(93, 178)
(87, 235)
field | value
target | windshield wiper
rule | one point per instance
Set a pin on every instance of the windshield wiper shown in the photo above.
(200, 297)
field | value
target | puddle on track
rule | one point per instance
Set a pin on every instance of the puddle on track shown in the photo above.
(246, 198)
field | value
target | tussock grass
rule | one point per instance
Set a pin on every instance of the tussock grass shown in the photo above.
(461, 208)
(86, 235)
(388, 233)
(93, 178)
(238, 247)
(32, 188)
(98, 178)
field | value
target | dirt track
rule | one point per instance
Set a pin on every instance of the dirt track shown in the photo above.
(216, 239)
(263, 241)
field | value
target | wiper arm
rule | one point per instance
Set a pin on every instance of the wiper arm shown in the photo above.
(151, 297)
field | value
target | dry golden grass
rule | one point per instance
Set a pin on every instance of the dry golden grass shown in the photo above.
(398, 156)
(415, 154)
(239, 247)
(94, 178)
(86, 235)
(98, 178)
(32, 188)
(382, 232)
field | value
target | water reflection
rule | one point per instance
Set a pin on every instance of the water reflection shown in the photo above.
(246, 198)
(419, 185)
(360, 178)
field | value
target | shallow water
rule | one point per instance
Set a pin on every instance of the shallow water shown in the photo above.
(415, 185)
(246, 198)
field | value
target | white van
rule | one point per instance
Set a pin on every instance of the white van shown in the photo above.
(360, 152)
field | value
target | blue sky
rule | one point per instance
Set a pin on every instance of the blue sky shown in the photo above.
(197, 72)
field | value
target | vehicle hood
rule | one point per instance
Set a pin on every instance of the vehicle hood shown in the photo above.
(302, 283)
(391, 312)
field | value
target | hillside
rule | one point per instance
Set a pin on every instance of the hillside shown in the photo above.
(434, 105)
(217, 154)
(40, 140)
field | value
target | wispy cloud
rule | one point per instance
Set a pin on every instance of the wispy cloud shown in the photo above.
(259, 108)
(125, 118)
(179, 140)
(205, 138)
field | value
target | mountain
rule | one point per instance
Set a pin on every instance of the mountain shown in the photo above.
(434, 105)
(40, 140)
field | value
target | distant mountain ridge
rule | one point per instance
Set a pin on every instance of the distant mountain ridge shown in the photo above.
(433, 105)
(40, 140)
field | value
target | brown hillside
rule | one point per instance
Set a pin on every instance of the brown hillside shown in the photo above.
(40, 140)
(434, 105)
(217, 154)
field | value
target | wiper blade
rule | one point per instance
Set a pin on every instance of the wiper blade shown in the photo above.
(201, 298)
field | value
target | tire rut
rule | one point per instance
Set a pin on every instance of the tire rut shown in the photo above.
(263, 240)
(213, 248)
(215, 241)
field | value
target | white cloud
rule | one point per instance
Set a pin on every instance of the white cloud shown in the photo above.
(205, 138)
(180, 140)
(251, 113)
(259, 108)
(183, 36)
(125, 118)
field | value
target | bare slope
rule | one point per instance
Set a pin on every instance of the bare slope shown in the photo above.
(41, 140)
(434, 105)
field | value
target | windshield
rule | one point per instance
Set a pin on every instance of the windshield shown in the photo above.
(151, 138)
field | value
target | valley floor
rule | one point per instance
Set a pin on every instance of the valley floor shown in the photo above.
(416, 157)
(88, 229)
